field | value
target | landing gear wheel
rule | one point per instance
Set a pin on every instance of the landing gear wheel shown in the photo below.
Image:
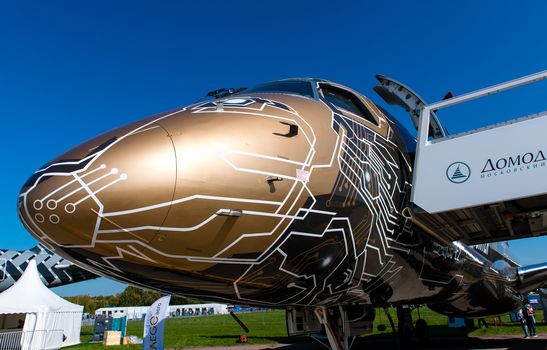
(422, 330)
(405, 333)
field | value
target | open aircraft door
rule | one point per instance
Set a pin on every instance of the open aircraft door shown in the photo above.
(484, 185)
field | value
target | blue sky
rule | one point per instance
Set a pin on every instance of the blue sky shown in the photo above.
(70, 70)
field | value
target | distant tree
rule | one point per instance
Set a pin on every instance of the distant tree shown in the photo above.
(91, 304)
(131, 296)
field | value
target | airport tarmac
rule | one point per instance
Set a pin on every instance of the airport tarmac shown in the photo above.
(510, 342)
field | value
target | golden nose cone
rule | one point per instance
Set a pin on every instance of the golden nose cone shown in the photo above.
(70, 201)
(65, 207)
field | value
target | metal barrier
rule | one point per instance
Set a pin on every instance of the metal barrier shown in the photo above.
(35, 340)
(11, 340)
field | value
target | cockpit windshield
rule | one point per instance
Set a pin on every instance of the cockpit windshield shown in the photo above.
(295, 87)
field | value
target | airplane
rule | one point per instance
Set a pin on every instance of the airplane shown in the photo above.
(54, 270)
(294, 194)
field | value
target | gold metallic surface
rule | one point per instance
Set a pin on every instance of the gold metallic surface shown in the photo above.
(209, 197)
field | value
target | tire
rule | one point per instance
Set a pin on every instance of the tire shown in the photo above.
(422, 331)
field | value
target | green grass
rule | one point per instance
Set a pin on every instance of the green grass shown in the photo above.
(265, 328)
(269, 327)
(438, 325)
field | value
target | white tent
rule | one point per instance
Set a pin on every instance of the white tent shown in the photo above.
(50, 321)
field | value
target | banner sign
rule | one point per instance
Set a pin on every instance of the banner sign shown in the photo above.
(488, 166)
(154, 324)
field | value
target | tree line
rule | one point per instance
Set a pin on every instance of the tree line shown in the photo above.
(131, 296)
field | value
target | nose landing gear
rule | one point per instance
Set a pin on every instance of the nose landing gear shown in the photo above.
(335, 327)
(406, 327)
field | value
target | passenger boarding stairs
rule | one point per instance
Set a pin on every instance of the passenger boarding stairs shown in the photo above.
(476, 187)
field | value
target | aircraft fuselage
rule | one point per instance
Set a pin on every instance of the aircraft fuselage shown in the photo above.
(276, 198)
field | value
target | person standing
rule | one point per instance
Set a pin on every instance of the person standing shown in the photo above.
(522, 320)
(530, 320)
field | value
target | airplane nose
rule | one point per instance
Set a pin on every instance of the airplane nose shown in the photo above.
(66, 202)
(64, 207)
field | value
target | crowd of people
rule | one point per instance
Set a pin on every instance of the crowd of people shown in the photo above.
(527, 320)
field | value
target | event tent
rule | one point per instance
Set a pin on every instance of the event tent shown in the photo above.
(49, 321)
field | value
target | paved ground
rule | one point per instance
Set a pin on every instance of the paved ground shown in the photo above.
(490, 343)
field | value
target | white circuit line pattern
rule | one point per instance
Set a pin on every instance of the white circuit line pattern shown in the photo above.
(367, 176)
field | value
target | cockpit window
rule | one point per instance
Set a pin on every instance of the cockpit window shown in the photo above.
(346, 100)
(296, 87)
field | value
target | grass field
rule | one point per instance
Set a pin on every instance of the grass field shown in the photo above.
(266, 327)
(269, 327)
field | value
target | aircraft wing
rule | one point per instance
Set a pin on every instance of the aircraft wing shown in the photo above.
(485, 224)
(531, 278)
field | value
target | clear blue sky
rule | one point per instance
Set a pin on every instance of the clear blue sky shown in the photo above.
(70, 70)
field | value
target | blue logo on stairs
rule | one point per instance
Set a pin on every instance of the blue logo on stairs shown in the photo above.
(458, 172)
